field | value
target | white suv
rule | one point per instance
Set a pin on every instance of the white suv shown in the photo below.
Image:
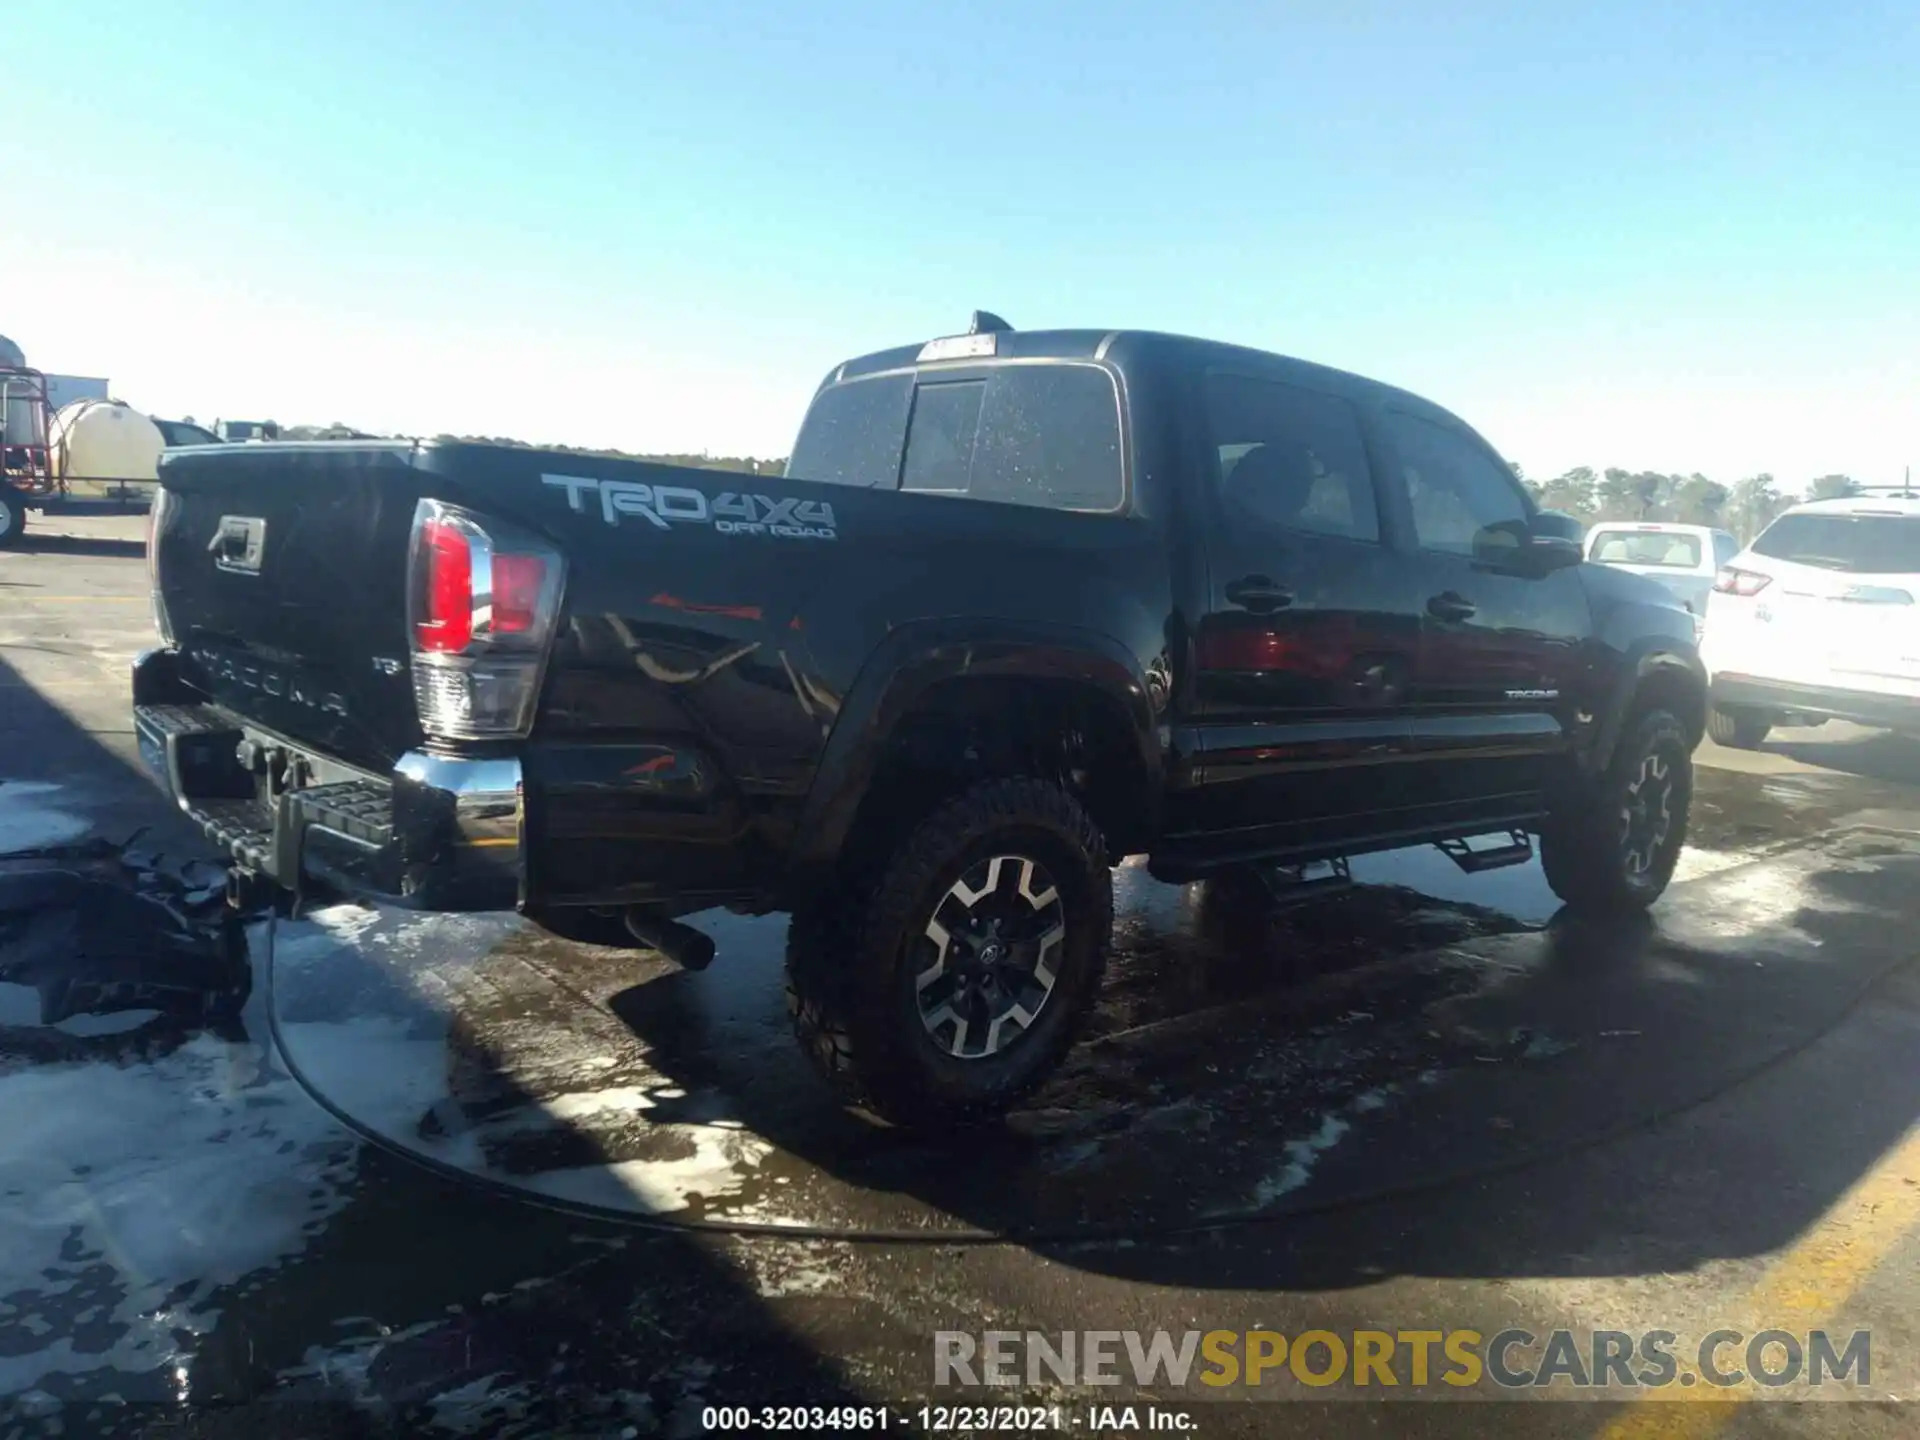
(1684, 558)
(1818, 618)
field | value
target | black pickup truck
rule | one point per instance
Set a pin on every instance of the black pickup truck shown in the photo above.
(1024, 604)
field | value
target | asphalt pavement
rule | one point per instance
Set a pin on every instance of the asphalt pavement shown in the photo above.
(364, 1173)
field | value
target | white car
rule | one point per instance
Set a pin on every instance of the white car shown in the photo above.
(1818, 619)
(1684, 558)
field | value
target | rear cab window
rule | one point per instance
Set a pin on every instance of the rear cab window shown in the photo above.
(1852, 543)
(1040, 433)
(853, 433)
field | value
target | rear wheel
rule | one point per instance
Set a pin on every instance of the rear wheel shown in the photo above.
(1738, 729)
(13, 517)
(1615, 847)
(949, 987)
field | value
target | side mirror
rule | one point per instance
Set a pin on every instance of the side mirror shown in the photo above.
(1557, 539)
(1550, 541)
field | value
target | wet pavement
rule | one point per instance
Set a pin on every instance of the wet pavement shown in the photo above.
(1241, 1042)
(373, 1173)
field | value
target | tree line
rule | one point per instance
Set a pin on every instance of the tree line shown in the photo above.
(1745, 508)
(739, 464)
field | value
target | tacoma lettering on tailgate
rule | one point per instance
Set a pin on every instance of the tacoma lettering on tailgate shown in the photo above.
(269, 681)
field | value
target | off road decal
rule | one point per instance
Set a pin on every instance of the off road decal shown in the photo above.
(729, 513)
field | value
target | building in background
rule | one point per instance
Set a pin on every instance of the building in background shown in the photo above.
(63, 390)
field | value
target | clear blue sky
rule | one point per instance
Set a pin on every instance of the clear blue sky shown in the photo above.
(1675, 236)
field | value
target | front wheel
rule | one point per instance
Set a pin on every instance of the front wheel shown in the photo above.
(1614, 847)
(949, 988)
(13, 517)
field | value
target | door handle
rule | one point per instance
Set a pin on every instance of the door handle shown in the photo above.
(1258, 594)
(1449, 606)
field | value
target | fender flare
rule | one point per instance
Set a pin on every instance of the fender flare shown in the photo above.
(914, 658)
(1648, 657)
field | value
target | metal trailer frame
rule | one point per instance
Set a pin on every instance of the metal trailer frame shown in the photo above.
(27, 467)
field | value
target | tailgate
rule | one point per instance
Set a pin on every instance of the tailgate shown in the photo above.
(1876, 636)
(283, 572)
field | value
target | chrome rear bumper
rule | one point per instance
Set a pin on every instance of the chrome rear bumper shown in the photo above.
(441, 832)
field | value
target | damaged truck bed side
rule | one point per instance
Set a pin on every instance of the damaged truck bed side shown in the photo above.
(1024, 604)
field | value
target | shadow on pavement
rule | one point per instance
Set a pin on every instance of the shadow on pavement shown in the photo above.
(1256, 1073)
(1880, 755)
(186, 1232)
(45, 542)
(1361, 1080)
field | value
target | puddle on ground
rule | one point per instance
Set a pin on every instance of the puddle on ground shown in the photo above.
(31, 817)
(156, 1164)
(1248, 1056)
(1243, 1044)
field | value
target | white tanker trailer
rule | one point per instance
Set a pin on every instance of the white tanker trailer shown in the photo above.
(93, 456)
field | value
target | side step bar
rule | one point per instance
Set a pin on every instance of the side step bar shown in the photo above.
(1296, 884)
(1517, 851)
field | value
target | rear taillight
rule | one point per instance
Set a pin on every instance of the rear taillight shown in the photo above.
(517, 581)
(156, 519)
(444, 552)
(1732, 581)
(484, 598)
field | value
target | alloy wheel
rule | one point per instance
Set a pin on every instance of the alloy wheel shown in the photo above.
(1646, 814)
(989, 956)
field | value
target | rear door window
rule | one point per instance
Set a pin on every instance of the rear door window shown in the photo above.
(1854, 544)
(1044, 435)
(1291, 457)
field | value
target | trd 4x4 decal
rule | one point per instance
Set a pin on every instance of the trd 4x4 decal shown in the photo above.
(729, 513)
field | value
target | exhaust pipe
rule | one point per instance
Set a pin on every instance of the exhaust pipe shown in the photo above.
(687, 947)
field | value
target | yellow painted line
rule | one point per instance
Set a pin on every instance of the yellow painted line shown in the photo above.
(489, 844)
(1804, 1287)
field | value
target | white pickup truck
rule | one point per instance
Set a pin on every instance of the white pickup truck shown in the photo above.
(1684, 558)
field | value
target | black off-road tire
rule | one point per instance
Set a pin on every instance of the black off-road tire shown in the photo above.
(13, 517)
(1595, 858)
(1738, 729)
(851, 957)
